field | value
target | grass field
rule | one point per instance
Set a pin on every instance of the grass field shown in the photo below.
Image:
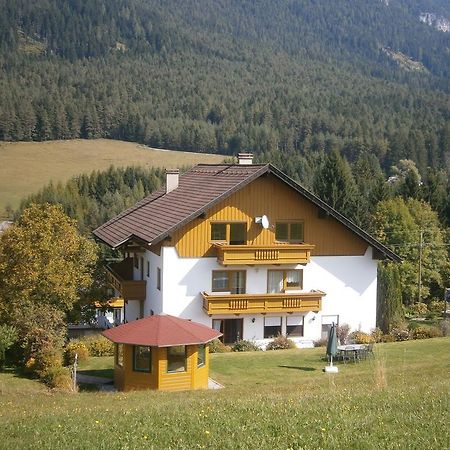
(27, 166)
(271, 400)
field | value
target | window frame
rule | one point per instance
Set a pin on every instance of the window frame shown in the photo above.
(290, 334)
(285, 287)
(227, 231)
(201, 362)
(273, 335)
(229, 287)
(185, 359)
(289, 224)
(119, 355)
(135, 369)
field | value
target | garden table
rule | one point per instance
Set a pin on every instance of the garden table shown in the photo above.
(353, 350)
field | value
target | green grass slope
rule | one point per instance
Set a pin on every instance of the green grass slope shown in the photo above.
(25, 167)
(271, 400)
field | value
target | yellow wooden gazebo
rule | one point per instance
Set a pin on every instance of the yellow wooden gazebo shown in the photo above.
(161, 352)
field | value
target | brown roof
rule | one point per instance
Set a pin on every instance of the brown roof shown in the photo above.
(157, 216)
(161, 331)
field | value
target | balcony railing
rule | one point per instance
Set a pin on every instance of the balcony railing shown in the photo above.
(263, 254)
(262, 303)
(120, 277)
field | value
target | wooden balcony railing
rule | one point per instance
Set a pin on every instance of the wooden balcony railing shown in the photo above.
(262, 303)
(263, 254)
(120, 277)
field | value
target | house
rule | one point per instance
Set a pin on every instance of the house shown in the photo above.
(246, 250)
(161, 352)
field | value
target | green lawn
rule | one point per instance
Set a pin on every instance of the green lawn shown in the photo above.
(272, 400)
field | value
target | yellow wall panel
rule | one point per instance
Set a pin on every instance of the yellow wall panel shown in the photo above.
(269, 196)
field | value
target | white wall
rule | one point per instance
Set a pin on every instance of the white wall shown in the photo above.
(349, 282)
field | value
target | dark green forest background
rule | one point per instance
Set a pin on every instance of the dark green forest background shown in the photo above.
(341, 95)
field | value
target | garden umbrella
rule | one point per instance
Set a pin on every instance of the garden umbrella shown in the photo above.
(332, 348)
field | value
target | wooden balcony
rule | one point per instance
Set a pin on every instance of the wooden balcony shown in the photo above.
(262, 303)
(120, 277)
(263, 254)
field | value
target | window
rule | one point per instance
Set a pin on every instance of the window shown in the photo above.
(201, 355)
(232, 281)
(289, 231)
(294, 326)
(142, 358)
(158, 278)
(119, 355)
(284, 280)
(176, 359)
(234, 233)
(327, 321)
(148, 269)
(272, 327)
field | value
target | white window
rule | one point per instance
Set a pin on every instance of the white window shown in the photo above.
(327, 321)
(272, 327)
(294, 326)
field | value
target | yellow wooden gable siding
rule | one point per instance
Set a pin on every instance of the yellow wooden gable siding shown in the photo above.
(269, 196)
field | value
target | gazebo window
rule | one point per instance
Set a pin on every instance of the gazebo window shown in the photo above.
(119, 355)
(176, 359)
(201, 355)
(142, 358)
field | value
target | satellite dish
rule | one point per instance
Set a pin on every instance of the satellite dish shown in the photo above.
(263, 220)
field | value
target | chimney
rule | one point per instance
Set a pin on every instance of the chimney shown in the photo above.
(245, 159)
(172, 178)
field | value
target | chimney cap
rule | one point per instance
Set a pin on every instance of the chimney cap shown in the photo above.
(172, 171)
(245, 158)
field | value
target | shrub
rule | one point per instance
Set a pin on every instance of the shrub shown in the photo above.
(217, 346)
(245, 346)
(437, 306)
(400, 334)
(99, 346)
(360, 337)
(322, 342)
(376, 334)
(425, 332)
(75, 347)
(46, 361)
(59, 378)
(419, 309)
(342, 332)
(444, 325)
(281, 343)
(8, 336)
(387, 338)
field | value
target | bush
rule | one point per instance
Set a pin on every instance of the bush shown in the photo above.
(419, 309)
(75, 347)
(444, 325)
(281, 343)
(342, 332)
(8, 336)
(376, 334)
(400, 334)
(437, 306)
(387, 338)
(322, 342)
(59, 378)
(360, 337)
(245, 346)
(422, 332)
(99, 346)
(217, 346)
(46, 361)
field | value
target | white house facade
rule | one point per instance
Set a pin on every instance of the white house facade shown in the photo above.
(247, 251)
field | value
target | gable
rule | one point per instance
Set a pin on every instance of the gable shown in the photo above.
(270, 196)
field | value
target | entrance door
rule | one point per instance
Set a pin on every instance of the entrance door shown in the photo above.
(230, 328)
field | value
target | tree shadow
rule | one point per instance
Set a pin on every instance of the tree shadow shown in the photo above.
(305, 369)
(103, 373)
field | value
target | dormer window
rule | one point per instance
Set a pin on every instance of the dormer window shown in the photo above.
(233, 233)
(292, 232)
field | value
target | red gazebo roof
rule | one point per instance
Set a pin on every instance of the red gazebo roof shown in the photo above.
(161, 331)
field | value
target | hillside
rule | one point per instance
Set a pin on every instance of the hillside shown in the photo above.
(295, 76)
(25, 167)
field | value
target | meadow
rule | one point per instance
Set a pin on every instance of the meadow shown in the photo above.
(271, 400)
(25, 167)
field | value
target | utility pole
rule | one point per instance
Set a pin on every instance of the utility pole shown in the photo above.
(420, 267)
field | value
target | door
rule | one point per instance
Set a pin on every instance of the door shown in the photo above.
(232, 329)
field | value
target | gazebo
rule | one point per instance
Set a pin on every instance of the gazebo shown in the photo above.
(161, 352)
